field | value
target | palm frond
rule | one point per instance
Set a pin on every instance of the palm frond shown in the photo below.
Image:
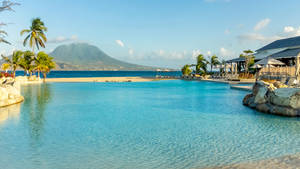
(25, 40)
(4, 41)
(24, 31)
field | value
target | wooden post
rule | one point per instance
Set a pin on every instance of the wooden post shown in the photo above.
(297, 66)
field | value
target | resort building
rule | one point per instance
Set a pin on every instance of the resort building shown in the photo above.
(284, 50)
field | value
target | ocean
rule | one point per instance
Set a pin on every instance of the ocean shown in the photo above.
(70, 74)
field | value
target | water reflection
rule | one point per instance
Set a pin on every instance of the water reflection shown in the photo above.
(36, 99)
(10, 113)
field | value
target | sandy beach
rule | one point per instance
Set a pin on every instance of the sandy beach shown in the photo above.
(106, 79)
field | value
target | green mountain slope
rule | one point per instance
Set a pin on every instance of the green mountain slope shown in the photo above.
(82, 56)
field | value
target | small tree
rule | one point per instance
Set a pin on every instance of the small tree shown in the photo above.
(14, 62)
(201, 66)
(186, 70)
(213, 62)
(44, 63)
(249, 59)
(26, 62)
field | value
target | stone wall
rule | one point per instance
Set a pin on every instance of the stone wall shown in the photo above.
(274, 98)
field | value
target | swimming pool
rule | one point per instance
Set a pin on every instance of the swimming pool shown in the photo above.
(162, 124)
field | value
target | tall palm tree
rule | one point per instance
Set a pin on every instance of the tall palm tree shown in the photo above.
(26, 62)
(44, 63)
(249, 58)
(3, 34)
(201, 67)
(14, 62)
(36, 34)
(213, 62)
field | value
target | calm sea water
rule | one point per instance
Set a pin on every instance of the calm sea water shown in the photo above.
(163, 124)
(64, 74)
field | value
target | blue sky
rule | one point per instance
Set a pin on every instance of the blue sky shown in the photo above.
(168, 33)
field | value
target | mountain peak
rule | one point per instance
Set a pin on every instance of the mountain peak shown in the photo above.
(83, 56)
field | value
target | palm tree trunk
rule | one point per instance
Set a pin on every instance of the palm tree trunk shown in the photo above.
(45, 75)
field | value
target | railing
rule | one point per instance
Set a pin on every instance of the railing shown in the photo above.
(277, 72)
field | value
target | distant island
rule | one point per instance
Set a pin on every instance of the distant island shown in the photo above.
(83, 56)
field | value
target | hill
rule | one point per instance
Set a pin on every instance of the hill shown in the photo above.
(82, 56)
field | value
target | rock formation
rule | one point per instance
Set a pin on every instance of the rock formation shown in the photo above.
(274, 98)
(10, 92)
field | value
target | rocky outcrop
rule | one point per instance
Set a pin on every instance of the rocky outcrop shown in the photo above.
(10, 93)
(267, 98)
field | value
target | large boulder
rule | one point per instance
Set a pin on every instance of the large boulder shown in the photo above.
(260, 96)
(275, 99)
(288, 97)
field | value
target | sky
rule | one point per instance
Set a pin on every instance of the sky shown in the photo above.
(164, 33)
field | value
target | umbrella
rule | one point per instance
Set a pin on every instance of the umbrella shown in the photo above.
(256, 66)
(269, 61)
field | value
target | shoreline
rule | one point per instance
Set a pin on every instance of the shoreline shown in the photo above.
(107, 79)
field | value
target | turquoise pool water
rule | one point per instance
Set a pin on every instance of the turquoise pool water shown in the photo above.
(163, 124)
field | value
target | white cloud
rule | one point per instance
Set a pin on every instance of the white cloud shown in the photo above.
(291, 31)
(61, 39)
(195, 53)
(262, 24)
(120, 43)
(209, 53)
(161, 52)
(226, 53)
(227, 32)
(130, 51)
(288, 29)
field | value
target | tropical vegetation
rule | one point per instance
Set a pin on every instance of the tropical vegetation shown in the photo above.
(213, 61)
(249, 59)
(201, 66)
(29, 61)
(186, 70)
(43, 63)
(35, 34)
(14, 61)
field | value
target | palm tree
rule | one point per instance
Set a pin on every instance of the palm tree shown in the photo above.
(5, 66)
(186, 70)
(44, 63)
(213, 62)
(36, 34)
(249, 58)
(3, 34)
(26, 62)
(201, 67)
(14, 62)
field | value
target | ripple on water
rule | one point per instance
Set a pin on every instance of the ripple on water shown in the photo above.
(167, 124)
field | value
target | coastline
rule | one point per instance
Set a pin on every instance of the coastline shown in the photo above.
(107, 79)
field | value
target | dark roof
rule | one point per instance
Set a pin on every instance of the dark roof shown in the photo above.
(282, 43)
(288, 53)
(236, 60)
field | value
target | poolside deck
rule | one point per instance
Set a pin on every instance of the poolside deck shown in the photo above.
(245, 88)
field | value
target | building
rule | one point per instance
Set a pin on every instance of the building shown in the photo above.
(284, 50)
